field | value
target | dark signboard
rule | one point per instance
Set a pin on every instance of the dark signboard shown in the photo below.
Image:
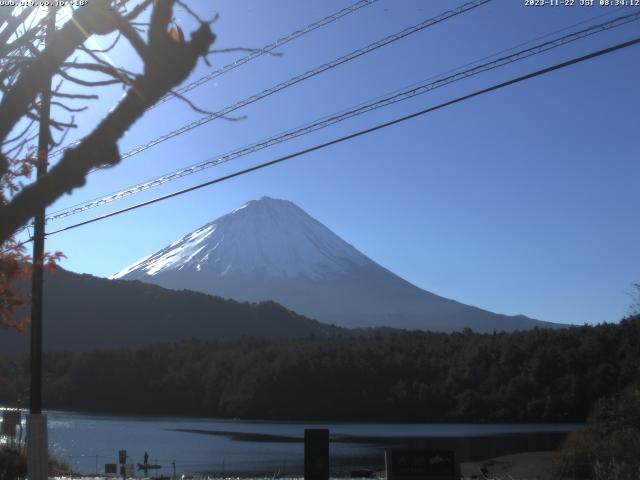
(421, 464)
(316, 454)
(110, 468)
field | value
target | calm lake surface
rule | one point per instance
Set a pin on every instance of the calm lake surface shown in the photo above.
(236, 447)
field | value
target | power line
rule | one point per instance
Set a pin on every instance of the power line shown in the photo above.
(360, 133)
(269, 48)
(252, 56)
(380, 102)
(510, 49)
(305, 76)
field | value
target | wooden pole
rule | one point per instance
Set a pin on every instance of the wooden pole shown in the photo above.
(37, 448)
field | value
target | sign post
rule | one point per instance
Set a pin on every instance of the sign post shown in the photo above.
(37, 447)
(122, 459)
(316, 454)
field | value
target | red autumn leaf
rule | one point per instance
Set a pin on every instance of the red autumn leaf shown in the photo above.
(14, 266)
(50, 267)
(21, 326)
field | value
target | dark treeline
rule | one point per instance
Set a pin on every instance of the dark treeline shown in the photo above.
(538, 375)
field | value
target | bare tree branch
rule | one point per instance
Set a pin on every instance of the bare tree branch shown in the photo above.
(68, 108)
(58, 125)
(75, 96)
(167, 63)
(89, 83)
(12, 25)
(137, 10)
(101, 66)
(94, 18)
(127, 31)
(103, 50)
(16, 151)
(19, 135)
(195, 16)
(202, 111)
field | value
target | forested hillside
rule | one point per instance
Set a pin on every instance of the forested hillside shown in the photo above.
(538, 375)
(83, 312)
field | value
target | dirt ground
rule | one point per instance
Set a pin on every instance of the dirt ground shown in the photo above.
(520, 466)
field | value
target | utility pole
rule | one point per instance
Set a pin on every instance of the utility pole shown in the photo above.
(37, 442)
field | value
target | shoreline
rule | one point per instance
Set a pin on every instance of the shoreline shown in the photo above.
(520, 466)
(184, 417)
(247, 450)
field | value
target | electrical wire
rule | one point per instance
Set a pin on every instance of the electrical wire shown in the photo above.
(304, 76)
(268, 48)
(251, 56)
(360, 133)
(380, 102)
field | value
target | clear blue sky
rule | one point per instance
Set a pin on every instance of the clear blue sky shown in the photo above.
(522, 201)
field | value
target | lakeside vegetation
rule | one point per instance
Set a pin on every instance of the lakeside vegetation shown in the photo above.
(607, 449)
(538, 375)
(13, 464)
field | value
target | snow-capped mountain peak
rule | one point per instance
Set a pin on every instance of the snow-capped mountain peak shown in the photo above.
(270, 249)
(269, 235)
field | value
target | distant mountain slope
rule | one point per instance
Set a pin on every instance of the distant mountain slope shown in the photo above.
(83, 312)
(271, 249)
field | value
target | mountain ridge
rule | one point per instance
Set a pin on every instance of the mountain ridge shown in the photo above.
(83, 312)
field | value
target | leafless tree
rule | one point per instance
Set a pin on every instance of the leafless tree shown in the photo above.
(634, 308)
(168, 59)
(28, 65)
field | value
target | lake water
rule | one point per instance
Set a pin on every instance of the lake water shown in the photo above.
(236, 447)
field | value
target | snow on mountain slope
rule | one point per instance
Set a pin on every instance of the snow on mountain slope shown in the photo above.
(271, 235)
(271, 249)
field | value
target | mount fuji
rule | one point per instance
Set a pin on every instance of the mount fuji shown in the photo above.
(271, 249)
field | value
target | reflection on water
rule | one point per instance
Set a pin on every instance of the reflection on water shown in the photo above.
(233, 447)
